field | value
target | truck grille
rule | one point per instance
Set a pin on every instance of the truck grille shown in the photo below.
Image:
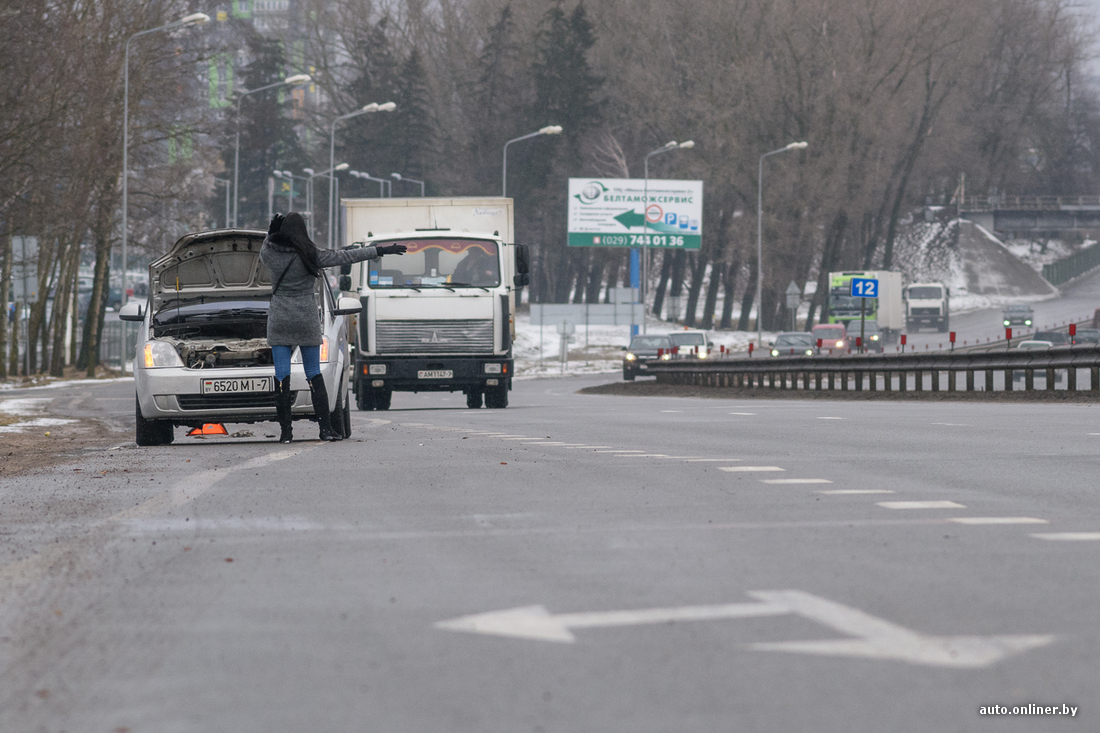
(925, 311)
(435, 337)
(248, 400)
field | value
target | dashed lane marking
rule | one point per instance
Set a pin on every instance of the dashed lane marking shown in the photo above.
(998, 520)
(641, 455)
(591, 447)
(1068, 536)
(545, 442)
(796, 481)
(747, 469)
(620, 451)
(938, 504)
(713, 460)
(742, 413)
(831, 418)
(838, 492)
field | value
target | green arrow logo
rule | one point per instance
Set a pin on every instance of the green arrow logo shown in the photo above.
(630, 219)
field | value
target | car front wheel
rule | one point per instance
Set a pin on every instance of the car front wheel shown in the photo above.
(149, 432)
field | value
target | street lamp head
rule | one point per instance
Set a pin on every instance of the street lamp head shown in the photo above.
(387, 107)
(298, 79)
(308, 171)
(669, 145)
(396, 176)
(288, 174)
(278, 174)
(551, 130)
(687, 144)
(372, 107)
(341, 167)
(798, 146)
(195, 19)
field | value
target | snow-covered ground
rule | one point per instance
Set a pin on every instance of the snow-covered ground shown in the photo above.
(27, 414)
(1039, 252)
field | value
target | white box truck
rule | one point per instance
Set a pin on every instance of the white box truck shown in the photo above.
(887, 309)
(440, 318)
(928, 304)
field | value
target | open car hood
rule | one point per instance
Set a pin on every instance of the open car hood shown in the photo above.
(222, 263)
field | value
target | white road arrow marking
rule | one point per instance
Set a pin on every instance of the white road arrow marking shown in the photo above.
(875, 638)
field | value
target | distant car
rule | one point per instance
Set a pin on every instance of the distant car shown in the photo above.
(1017, 315)
(1055, 337)
(1032, 345)
(872, 335)
(1087, 336)
(642, 351)
(793, 343)
(833, 338)
(691, 343)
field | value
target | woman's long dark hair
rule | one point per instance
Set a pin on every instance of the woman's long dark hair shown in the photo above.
(294, 232)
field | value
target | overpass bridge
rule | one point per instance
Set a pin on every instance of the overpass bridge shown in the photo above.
(1030, 214)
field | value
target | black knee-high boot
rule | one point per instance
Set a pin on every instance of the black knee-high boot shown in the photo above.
(320, 408)
(283, 399)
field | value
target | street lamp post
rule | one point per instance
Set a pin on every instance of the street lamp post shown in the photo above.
(290, 80)
(670, 145)
(372, 107)
(548, 130)
(290, 176)
(225, 182)
(399, 177)
(193, 19)
(366, 176)
(309, 188)
(759, 237)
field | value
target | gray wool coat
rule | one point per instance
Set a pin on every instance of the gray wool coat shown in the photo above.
(292, 318)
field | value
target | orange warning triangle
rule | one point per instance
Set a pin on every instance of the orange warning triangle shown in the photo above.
(210, 428)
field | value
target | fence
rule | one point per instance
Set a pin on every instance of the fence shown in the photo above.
(1070, 267)
(888, 373)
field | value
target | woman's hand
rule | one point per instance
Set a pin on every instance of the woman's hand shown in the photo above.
(276, 224)
(390, 249)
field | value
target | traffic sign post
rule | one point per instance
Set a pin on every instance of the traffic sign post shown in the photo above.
(863, 288)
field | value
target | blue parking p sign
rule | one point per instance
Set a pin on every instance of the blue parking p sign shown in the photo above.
(864, 287)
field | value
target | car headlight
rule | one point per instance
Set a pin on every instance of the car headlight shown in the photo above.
(376, 369)
(630, 357)
(703, 354)
(809, 352)
(775, 352)
(1008, 322)
(840, 344)
(161, 354)
(874, 338)
(1027, 322)
(493, 368)
(666, 357)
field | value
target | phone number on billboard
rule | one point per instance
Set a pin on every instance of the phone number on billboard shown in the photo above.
(656, 240)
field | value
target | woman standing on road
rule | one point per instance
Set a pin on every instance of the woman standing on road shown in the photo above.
(292, 318)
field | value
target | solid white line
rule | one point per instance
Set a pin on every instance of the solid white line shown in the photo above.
(713, 460)
(742, 413)
(745, 469)
(941, 504)
(546, 442)
(590, 447)
(620, 451)
(795, 481)
(997, 520)
(1068, 536)
(641, 455)
(518, 437)
(831, 418)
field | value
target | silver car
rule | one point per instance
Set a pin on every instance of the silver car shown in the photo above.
(202, 354)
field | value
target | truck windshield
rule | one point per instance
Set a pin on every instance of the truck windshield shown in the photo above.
(925, 292)
(437, 263)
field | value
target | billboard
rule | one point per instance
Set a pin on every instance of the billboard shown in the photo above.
(624, 212)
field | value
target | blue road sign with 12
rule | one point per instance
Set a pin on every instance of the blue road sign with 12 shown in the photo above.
(864, 287)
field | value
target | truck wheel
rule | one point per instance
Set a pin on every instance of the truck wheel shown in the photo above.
(365, 399)
(497, 397)
(382, 399)
(473, 399)
(147, 432)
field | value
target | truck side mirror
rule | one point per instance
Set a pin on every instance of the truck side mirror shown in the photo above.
(345, 270)
(520, 280)
(344, 282)
(523, 260)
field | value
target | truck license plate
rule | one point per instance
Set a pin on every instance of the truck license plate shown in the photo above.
(231, 386)
(435, 374)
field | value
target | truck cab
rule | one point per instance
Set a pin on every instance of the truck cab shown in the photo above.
(928, 304)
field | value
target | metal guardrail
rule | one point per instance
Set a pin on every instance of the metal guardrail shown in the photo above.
(1029, 203)
(853, 372)
(1070, 267)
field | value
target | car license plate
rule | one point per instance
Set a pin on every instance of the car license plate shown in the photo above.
(435, 374)
(232, 386)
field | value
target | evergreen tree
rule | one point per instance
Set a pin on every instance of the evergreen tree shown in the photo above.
(370, 142)
(269, 139)
(414, 119)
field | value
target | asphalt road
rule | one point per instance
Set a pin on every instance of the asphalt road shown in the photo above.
(236, 584)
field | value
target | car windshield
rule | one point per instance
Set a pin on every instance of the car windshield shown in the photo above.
(797, 339)
(687, 339)
(1018, 309)
(1055, 337)
(868, 326)
(829, 334)
(212, 319)
(1035, 345)
(646, 343)
(438, 263)
(925, 292)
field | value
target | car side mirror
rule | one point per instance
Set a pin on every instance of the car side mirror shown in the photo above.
(344, 283)
(347, 307)
(623, 348)
(132, 312)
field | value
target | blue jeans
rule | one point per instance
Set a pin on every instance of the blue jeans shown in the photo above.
(311, 360)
